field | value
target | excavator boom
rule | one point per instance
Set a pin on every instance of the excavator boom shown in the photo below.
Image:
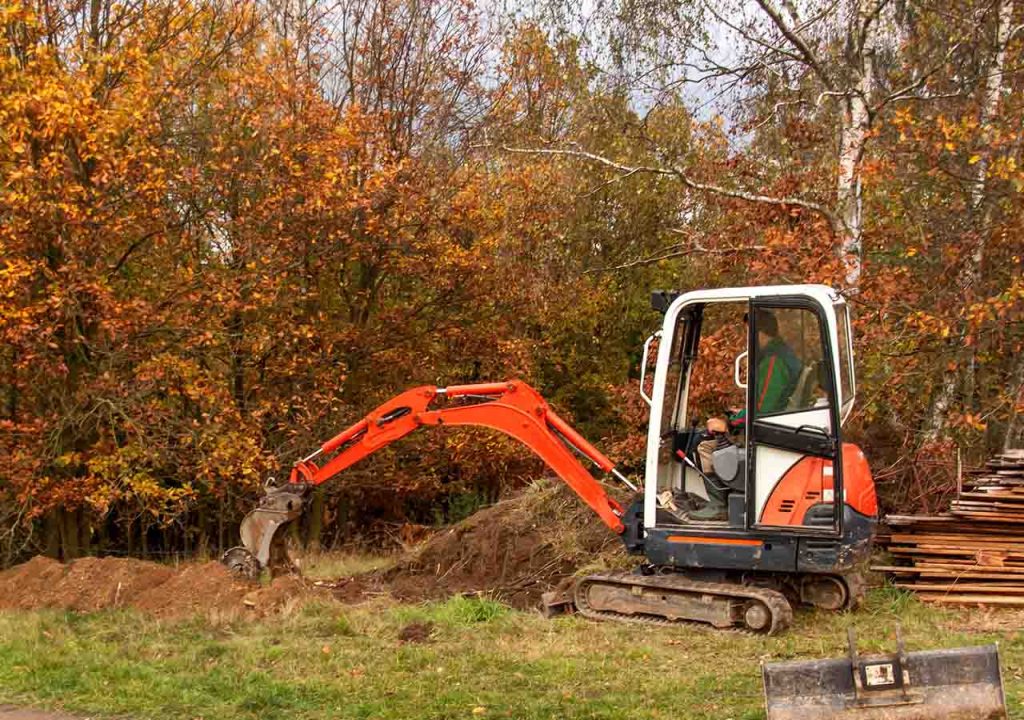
(512, 407)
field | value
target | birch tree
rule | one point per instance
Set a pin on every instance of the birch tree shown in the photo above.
(969, 277)
(822, 59)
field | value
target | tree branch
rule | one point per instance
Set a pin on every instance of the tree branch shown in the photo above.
(797, 42)
(906, 91)
(670, 252)
(685, 179)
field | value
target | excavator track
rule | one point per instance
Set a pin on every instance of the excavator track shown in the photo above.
(672, 599)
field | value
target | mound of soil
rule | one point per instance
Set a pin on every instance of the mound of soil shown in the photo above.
(416, 632)
(92, 584)
(512, 551)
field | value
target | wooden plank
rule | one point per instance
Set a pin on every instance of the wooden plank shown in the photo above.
(1000, 496)
(946, 564)
(977, 573)
(972, 599)
(990, 517)
(963, 587)
(984, 541)
(907, 519)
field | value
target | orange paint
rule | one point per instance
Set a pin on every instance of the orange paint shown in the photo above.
(809, 482)
(699, 540)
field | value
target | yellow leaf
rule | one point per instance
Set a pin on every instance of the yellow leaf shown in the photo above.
(974, 159)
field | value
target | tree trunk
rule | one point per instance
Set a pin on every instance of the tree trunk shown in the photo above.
(84, 533)
(316, 520)
(220, 525)
(1015, 427)
(51, 532)
(69, 533)
(968, 280)
(853, 137)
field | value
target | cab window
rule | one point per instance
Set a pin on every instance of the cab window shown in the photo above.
(846, 377)
(789, 370)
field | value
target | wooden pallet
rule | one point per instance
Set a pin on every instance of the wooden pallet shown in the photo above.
(974, 553)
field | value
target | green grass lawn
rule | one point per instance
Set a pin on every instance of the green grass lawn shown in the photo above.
(482, 660)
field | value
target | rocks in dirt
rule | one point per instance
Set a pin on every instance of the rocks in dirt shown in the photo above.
(91, 584)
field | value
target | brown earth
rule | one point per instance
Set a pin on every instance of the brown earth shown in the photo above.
(512, 551)
(416, 632)
(91, 584)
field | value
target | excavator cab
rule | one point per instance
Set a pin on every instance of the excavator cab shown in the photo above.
(799, 503)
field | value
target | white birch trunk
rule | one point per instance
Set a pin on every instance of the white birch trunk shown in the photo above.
(969, 275)
(849, 193)
(853, 136)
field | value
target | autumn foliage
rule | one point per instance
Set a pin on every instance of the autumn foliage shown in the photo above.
(228, 229)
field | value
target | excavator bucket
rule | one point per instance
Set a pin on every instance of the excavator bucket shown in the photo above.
(279, 506)
(953, 684)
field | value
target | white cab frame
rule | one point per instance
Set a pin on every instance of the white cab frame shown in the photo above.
(821, 295)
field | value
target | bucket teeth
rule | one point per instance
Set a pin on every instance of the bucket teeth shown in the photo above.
(242, 563)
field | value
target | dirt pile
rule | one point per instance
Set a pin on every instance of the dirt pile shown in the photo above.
(92, 584)
(512, 551)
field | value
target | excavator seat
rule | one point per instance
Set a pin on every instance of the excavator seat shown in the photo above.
(801, 397)
(730, 466)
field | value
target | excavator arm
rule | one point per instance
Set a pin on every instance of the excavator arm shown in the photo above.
(512, 407)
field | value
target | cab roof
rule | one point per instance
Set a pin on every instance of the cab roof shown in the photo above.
(821, 293)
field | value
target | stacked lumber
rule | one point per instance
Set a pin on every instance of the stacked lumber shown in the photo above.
(995, 493)
(975, 552)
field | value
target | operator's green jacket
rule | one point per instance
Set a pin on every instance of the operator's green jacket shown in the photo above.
(777, 374)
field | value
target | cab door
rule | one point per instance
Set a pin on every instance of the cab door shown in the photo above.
(792, 416)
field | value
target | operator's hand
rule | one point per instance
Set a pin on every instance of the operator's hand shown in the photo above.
(717, 425)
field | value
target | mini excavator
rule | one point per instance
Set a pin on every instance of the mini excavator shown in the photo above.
(800, 506)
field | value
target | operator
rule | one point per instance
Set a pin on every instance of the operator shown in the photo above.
(778, 370)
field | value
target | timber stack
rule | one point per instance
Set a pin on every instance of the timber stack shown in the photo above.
(974, 554)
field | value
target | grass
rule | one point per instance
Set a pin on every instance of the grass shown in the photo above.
(329, 565)
(483, 660)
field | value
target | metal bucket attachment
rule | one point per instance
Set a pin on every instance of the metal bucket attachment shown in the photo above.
(279, 506)
(956, 684)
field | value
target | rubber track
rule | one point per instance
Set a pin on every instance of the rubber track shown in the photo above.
(776, 602)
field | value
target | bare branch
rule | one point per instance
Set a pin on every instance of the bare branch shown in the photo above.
(686, 180)
(671, 252)
(797, 42)
(911, 88)
(775, 111)
(750, 38)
